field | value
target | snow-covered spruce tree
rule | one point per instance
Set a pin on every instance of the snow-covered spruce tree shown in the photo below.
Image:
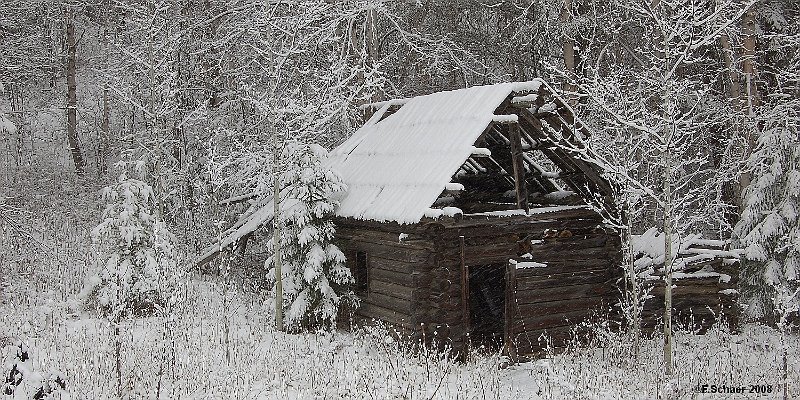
(316, 281)
(137, 253)
(769, 228)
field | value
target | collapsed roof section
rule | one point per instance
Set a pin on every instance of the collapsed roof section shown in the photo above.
(401, 160)
(465, 149)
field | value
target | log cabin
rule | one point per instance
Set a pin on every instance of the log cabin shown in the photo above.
(477, 216)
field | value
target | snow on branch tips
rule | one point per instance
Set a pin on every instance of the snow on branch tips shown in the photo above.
(315, 280)
(769, 229)
(137, 260)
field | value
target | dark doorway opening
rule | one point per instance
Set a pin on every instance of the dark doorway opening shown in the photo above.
(487, 285)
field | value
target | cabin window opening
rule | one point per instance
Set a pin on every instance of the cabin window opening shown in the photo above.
(361, 273)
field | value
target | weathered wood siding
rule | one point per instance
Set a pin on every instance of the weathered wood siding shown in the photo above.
(397, 289)
(580, 276)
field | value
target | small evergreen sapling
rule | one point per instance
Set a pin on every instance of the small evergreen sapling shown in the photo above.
(769, 229)
(316, 281)
(137, 259)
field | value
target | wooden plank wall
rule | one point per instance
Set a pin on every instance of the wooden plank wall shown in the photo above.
(579, 273)
(579, 279)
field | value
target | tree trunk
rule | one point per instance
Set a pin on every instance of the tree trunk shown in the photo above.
(370, 43)
(105, 122)
(72, 101)
(15, 138)
(667, 260)
(276, 234)
(733, 77)
(667, 158)
(105, 133)
(276, 217)
(118, 358)
(630, 261)
(751, 98)
(568, 46)
(748, 62)
(733, 196)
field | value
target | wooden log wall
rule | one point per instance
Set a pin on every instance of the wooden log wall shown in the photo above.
(398, 270)
(417, 283)
(579, 280)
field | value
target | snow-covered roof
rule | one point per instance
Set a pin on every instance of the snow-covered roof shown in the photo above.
(403, 158)
(396, 167)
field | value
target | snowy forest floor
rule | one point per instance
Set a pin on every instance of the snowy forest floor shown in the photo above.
(219, 342)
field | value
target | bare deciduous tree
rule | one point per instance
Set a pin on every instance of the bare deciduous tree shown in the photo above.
(72, 99)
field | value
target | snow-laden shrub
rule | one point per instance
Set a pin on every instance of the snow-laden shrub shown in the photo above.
(769, 228)
(137, 254)
(315, 279)
(23, 382)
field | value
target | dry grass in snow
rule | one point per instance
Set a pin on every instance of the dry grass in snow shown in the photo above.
(219, 344)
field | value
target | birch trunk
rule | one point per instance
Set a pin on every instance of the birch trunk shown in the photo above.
(667, 260)
(371, 36)
(728, 57)
(669, 127)
(630, 261)
(751, 96)
(748, 62)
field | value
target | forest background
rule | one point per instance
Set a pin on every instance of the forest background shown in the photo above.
(701, 94)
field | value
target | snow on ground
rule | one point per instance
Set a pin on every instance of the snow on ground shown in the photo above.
(222, 345)
(219, 344)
